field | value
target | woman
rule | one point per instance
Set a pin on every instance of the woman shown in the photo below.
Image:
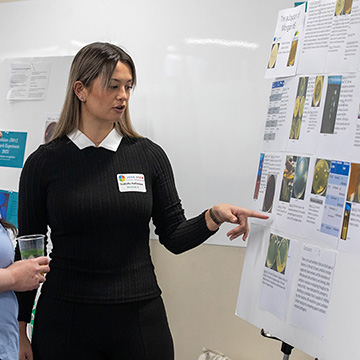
(96, 185)
(19, 276)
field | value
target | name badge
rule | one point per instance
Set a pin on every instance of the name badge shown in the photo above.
(131, 182)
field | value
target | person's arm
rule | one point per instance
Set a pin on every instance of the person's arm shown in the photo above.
(177, 233)
(221, 213)
(24, 275)
(32, 213)
(25, 351)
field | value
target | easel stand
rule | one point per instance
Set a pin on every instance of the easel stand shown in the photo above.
(285, 348)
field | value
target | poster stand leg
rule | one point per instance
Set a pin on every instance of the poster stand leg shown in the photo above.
(286, 349)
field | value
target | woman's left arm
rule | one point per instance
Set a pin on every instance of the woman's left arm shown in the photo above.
(177, 233)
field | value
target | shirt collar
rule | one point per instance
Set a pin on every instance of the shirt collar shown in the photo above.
(111, 142)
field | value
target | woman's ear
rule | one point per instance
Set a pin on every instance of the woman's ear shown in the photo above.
(79, 90)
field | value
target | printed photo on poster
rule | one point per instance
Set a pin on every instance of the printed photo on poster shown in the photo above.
(317, 91)
(9, 206)
(273, 55)
(300, 178)
(345, 225)
(269, 193)
(258, 177)
(293, 50)
(353, 193)
(288, 178)
(331, 104)
(298, 108)
(49, 130)
(343, 7)
(4, 202)
(50, 122)
(321, 177)
(277, 253)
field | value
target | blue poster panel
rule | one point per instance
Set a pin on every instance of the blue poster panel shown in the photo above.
(9, 206)
(12, 149)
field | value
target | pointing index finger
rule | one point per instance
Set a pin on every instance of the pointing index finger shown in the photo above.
(258, 215)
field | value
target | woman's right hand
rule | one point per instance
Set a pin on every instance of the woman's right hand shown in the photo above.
(24, 275)
(25, 346)
(28, 274)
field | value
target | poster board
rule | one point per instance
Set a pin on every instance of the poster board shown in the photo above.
(299, 279)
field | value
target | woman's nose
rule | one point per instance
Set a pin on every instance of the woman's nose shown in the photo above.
(122, 95)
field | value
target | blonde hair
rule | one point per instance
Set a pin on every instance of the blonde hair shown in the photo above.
(93, 60)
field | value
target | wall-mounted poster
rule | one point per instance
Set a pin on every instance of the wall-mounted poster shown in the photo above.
(9, 206)
(286, 44)
(12, 149)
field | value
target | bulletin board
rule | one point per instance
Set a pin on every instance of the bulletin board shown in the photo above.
(31, 97)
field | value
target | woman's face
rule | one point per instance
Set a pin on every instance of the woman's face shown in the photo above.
(108, 104)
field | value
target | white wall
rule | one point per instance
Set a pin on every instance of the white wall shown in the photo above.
(201, 92)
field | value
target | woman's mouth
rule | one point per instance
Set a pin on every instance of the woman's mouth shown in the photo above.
(120, 108)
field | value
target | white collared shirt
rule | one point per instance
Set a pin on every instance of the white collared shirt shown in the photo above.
(111, 142)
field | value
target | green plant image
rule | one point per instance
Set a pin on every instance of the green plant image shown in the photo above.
(277, 253)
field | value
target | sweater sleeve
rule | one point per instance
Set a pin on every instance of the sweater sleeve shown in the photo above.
(32, 217)
(175, 232)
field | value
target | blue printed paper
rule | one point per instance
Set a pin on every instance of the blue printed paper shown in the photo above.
(12, 149)
(9, 206)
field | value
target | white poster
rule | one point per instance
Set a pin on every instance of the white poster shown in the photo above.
(280, 109)
(278, 273)
(28, 81)
(286, 43)
(318, 24)
(313, 289)
(344, 44)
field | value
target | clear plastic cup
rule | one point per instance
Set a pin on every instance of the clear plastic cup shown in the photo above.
(31, 246)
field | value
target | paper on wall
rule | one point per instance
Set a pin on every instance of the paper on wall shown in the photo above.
(286, 43)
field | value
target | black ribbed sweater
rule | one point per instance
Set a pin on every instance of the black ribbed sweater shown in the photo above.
(100, 235)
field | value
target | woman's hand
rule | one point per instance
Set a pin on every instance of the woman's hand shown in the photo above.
(232, 214)
(25, 346)
(24, 275)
